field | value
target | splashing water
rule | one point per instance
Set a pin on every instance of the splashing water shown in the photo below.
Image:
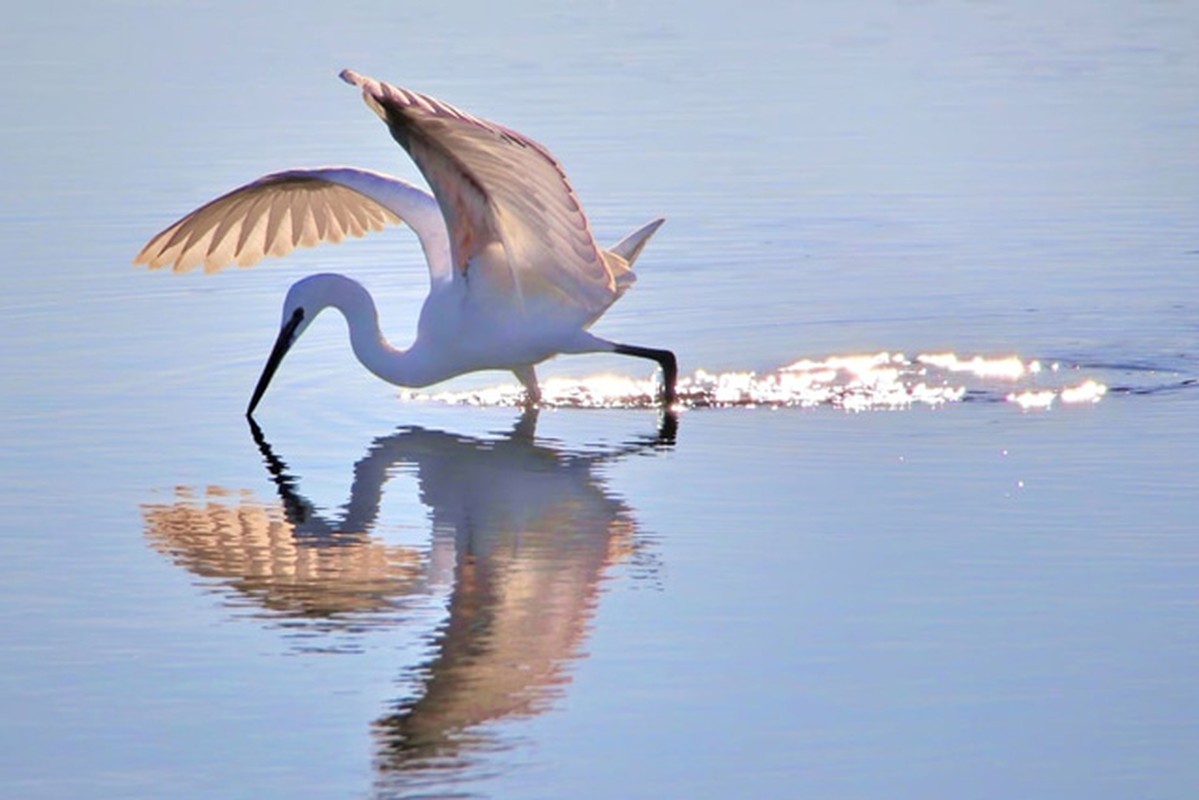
(855, 383)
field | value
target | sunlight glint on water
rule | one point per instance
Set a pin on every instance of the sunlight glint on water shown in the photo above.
(867, 382)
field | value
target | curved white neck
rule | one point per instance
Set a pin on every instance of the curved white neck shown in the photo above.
(400, 367)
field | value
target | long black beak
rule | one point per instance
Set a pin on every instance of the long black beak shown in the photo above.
(287, 337)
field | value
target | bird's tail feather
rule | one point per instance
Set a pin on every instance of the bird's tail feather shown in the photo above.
(630, 246)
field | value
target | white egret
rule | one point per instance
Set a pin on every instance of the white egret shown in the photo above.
(516, 276)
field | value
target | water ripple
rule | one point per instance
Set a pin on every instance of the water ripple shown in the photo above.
(865, 382)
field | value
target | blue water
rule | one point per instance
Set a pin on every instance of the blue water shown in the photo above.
(378, 595)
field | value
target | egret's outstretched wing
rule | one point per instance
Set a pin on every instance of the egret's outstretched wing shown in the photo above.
(299, 207)
(499, 189)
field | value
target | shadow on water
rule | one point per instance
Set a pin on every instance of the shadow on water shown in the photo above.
(523, 532)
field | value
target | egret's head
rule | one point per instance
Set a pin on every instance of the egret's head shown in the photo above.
(304, 301)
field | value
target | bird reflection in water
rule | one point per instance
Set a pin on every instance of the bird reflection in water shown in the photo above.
(523, 531)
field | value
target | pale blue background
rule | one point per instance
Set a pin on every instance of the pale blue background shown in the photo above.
(968, 602)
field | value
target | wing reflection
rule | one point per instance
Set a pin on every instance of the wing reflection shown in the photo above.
(524, 531)
(284, 564)
(533, 530)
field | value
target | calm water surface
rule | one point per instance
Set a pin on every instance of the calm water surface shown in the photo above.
(869, 574)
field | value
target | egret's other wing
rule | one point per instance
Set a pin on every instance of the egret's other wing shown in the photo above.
(496, 186)
(299, 207)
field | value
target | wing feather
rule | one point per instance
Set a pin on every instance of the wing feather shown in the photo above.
(251, 245)
(496, 186)
(302, 224)
(228, 232)
(298, 208)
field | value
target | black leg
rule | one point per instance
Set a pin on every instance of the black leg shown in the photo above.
(668, 428)
(665, 359)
